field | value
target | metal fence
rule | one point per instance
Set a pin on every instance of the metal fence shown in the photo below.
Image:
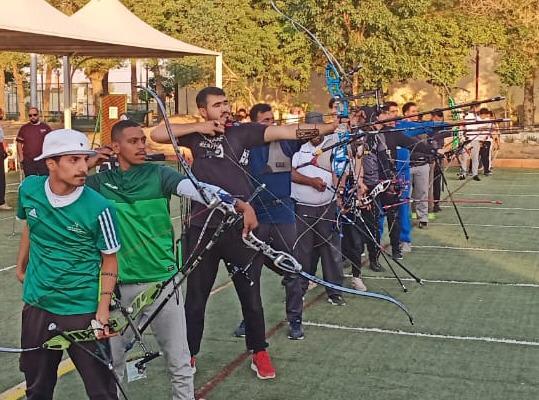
(82, 100)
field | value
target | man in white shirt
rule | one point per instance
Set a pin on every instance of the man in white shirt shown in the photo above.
(474, 136)
(312, 182)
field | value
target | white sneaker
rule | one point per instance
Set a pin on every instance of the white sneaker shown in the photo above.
(357, 284)
(5, 207)
(406, 247)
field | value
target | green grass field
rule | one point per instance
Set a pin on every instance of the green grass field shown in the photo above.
(475, 334)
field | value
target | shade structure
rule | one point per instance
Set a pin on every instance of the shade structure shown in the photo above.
(128, 35)
(102, 28)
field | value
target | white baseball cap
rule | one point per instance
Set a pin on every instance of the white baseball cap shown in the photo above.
(63, 142)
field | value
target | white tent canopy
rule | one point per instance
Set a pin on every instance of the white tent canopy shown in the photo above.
(129, 35)
(102, 28)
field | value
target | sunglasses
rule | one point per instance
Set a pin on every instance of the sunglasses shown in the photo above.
(33, 115)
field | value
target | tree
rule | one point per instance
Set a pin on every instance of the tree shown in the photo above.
(392, 40)
(49, 64)
(250, 36)
(96, 70)
(14, 63)
(68, 7)
(520, 52)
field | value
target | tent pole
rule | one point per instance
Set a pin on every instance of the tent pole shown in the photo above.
(219, 71)
(33, 80)
(67, 92)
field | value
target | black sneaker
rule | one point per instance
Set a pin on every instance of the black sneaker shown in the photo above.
(462, 177)
(336, 300)
(376, 267)
(423, 225)
(476, 178)
(295, 330)
(240, 330)
(488, 173)
(397, 255)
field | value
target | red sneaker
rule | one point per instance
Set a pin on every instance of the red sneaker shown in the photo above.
(194, 364)
(262, 365)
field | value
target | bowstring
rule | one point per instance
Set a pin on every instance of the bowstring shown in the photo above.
(275, 197)
(299, 217)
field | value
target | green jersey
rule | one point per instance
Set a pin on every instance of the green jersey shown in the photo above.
(141, 196)
(66, 242)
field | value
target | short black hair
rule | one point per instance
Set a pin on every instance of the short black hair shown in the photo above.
(437, 113)
(202, 96)
(484, 110)
(258, 109)
(387, 104)
(331, 102)
(118, 128)
(407, 106)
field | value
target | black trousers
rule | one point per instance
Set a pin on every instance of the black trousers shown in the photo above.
(2, 176)
(40, 366)
(318, 239)
(393, 220)
(353, 242)
(231, 249)
(281, 237)
(34, 167)
(437, 184)
(484, 156)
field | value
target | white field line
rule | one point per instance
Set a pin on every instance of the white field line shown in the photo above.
(474, 249)
(452, 282)
(522, 185)
(495, 208)
(499, 194)
(7, 268)
(423, 335)
(487, 225)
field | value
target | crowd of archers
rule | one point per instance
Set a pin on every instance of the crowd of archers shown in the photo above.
(96, 256)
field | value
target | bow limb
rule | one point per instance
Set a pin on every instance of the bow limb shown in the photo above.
(372, 295)
(289, 264)
(18, 350)
(330, 57)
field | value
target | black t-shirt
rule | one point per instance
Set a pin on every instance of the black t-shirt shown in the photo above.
(222, 160)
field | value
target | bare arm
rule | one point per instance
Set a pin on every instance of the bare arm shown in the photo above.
(24, 251)
(300, 179)
(289, 132)
(19, 151)
(212, 128)
(109, 273)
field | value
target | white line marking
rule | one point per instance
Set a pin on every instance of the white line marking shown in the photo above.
(7, 268)
(495, 208)
(6, 218)
(451, 282)
(474, 249)
(499, 194)
(425, 335)
(487, 226)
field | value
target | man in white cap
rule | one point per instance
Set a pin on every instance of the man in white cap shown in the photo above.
(67, 264)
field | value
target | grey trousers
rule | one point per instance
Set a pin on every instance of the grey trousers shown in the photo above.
(319, 240)
(170, 332)
(472, 150)
(420, 191)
